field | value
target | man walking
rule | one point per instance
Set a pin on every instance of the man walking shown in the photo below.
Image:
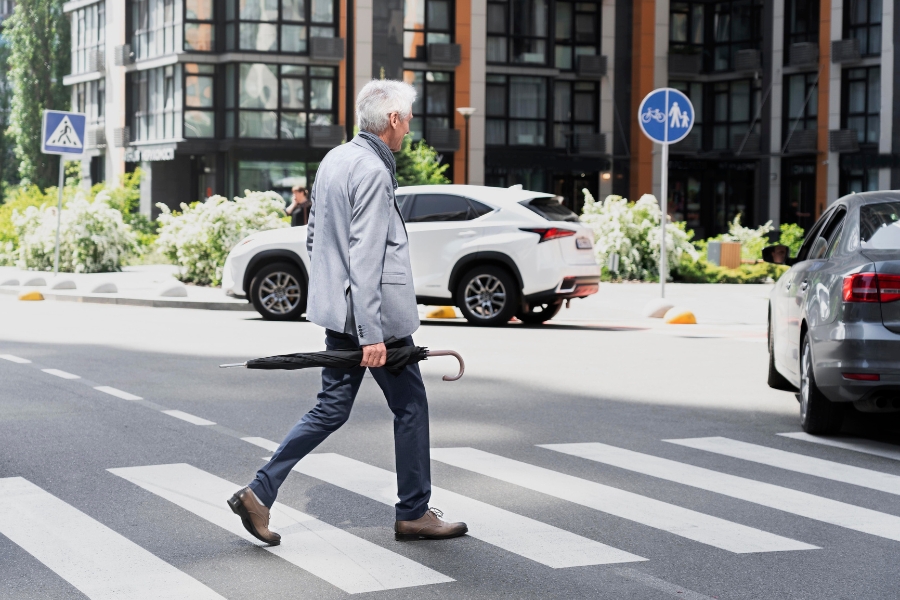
(361, 291)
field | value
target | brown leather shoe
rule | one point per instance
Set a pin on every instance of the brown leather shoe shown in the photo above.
(254, 516)
(428, 527)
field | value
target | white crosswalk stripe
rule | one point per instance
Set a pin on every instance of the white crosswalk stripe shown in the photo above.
(680, 521)
(348, 562)
(93, 558)
(515, 533)
(799, 463)
(857, 445)
(773, 496)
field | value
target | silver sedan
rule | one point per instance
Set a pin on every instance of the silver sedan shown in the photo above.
(834, 316)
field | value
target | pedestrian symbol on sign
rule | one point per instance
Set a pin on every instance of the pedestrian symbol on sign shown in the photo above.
(64, 135)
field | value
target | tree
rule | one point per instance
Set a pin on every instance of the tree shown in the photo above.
(38, 36)
(9, 172)
(419, 164)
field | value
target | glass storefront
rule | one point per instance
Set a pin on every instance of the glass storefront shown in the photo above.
(278, 176)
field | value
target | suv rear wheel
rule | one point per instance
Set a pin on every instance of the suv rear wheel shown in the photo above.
(278, 292)
(487, 296)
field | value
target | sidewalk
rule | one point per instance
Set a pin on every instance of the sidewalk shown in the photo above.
(136, 286)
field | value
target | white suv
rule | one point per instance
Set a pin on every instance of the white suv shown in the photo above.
(495, 253)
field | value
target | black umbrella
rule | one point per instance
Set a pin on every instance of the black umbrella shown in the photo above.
(397, 359)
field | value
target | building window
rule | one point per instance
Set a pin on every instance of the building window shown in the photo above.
(863, 22)
(152, 27)
(686, 27)
(152, 98)
(516, 111)
(801, 103)
(272, 101)
(801, 21)
(433, 107)
(736, 26)
(90, 99)
(575, 110)
(694, 92)
(577, 32)
(862, 107)
(88, 37)
(278, 25)
(199, 28)
(517, 32)
(426, 22)
(199, 101)
(858, 179)
(734, 103)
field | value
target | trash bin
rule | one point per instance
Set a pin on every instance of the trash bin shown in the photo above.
(724, 254)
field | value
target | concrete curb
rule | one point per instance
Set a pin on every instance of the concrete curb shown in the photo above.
(152, 302)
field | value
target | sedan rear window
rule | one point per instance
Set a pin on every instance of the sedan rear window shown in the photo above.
(879, 226)
(550, 209)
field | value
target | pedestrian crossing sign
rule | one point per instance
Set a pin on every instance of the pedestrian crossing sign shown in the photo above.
(62, 132)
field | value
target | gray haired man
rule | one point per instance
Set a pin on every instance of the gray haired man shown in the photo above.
(361, 291)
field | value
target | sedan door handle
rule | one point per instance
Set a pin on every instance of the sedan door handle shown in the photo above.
(469, 233)
(804, 284)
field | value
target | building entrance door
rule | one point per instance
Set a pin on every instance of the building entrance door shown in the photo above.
(733, 194)
(799, 193)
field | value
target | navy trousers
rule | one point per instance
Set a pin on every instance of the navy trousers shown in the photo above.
(405, 394)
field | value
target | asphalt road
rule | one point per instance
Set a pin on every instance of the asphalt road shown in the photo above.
(611, 510)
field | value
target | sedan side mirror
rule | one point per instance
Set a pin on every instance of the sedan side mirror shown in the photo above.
(778, 254)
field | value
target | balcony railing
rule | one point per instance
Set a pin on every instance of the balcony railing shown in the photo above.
(325, 136)
(591, 66)
(589, 143)
(845, 51)
(843, 140)
(803, 54)
(803, 141)
(444, 55)
(747, 60)
(324, 48)
(743, 143)
(685, 64)
(443, 140)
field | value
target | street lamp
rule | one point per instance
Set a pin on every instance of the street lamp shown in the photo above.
(466, 112)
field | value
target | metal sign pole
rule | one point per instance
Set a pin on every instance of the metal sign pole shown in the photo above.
(663, 218)
(62, 182)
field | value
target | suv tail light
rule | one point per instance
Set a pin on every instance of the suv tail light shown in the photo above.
(871, 287)
(548, 233)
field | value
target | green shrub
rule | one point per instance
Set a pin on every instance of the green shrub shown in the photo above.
(199, 238)
(792, 237)
(701, 271)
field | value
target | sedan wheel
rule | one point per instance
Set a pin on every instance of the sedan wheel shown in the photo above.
(278, 292)
(487, 296)
(818, 415)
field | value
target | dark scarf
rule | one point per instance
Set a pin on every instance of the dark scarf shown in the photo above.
(383, 152)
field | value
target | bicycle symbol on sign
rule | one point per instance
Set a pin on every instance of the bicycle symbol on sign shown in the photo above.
(653, 114)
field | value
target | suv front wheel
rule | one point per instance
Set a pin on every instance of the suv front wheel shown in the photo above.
(487, 296)
(278, 292)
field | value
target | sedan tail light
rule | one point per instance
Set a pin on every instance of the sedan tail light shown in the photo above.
(548, 233)
(871, 287)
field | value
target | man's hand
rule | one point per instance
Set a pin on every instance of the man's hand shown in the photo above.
(374, 355)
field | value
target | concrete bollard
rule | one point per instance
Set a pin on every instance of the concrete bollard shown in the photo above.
(680, 316)
(34, 281)
(105, 287)
(62, 283)
(657, 308)
(172, 289)
(442, 312)
(31, 295)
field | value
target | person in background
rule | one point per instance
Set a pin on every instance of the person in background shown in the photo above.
(299, 208)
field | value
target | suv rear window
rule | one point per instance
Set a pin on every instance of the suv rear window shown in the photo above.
(879, 226)
(550, 209)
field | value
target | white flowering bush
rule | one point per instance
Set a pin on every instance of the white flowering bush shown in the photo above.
(752, 240)
(199, 238)
(631, 230)
(93, 237)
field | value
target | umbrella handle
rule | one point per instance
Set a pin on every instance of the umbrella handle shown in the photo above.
(462, 364)
(230, 365)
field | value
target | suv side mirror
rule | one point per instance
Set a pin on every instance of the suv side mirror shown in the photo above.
(778, 254)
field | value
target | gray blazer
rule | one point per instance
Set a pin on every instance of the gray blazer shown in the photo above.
(360, 279)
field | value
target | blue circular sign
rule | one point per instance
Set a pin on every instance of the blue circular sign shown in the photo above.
(666, 116)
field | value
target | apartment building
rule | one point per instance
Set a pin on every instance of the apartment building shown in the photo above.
(792, 97)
